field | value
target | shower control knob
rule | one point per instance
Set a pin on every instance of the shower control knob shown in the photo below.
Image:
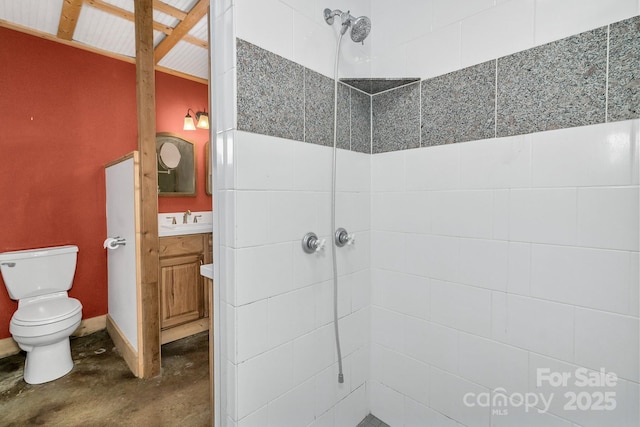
(344, 238)
(311, 243)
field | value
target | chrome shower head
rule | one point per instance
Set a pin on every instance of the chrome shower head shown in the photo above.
(360, 27)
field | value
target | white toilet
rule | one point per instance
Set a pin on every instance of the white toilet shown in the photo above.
(39, 279)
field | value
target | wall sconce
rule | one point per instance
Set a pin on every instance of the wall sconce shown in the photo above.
(202, 118)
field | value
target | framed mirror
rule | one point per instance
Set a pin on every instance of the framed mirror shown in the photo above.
(176, 165)
(208, 176)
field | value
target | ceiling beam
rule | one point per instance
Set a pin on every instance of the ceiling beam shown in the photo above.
(193, 17)
(125, 14)
(69, 18)
(169, 10)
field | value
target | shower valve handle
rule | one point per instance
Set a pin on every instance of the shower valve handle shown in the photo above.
(343, 238)
(311, 243)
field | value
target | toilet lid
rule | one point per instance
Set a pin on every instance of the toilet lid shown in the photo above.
(46, 311)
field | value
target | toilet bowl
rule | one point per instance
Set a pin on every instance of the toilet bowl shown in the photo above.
(46, 315)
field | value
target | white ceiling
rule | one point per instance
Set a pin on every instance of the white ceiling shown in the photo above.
(102, 28)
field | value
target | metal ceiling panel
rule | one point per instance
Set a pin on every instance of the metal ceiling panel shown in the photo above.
(165, 19)
(122, 4)
(105, 31)
(39, 15)
(201, 29)
(189, 59)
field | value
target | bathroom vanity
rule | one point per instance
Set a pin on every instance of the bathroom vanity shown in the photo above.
(184, 298)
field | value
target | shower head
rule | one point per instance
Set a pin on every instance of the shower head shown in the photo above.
(360, 27)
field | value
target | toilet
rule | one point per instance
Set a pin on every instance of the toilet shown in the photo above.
(39, 279)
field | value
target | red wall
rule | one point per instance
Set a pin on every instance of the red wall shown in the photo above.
(64, 113)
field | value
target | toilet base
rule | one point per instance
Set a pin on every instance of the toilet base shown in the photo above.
(49, 362)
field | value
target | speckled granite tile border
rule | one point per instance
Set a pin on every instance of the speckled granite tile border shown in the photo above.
(553, 86)
(396, 119)
(360, 121)
(318, 108)
(459, 106)
(624, 70)
(270, 93)
(344, 117)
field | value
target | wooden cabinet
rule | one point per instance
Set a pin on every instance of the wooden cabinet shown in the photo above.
(184, 300)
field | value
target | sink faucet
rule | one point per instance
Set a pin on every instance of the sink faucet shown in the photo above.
(185, 216)
(195, 218)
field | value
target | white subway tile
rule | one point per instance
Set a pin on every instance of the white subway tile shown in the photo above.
(448, 11)
(353, 171)
(388, 250)
(254, 23)
(519, 281)
(462, 213)
(401, 292)
(387, 404)
(263, 378)
(353, 211)
(556, 20)
(496, 163)
(251, 227)
(435, 53)
(352, 409)
(312, 353)
(328, 390)
(290, 315)
(253, 171)
(313, 43)
(263, 271)
(406, 375)
(388, 171)
(257, 419)
(417, 415)
(309, 269)
(291, 215)
(588, 277)
(432, 256)
(390, 62)
(634, 284)
(294, 408)
(518, 321)
(387, 327)
(499, 31)
(522, 416)
(324, 302)
(501, 214)
(433, 168)
(609, 341)
(608, 217)
(543, 216)
(461, 307)
(431, 343)
(355, 331)
(492, 364)
(251, 334)
(311, 167)
(360, 285)
(447, 394)
(484, 263)
(584, 156)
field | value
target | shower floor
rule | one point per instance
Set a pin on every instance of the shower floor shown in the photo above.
(372, 421)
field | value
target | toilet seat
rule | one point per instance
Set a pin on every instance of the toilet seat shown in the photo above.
(45, 317)
(46, 311)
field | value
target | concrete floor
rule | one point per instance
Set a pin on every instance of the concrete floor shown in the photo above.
(101, 391)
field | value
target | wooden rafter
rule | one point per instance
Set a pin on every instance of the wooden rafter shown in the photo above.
(169, 10)
(125, 14)
(69, 18)
(193, 17)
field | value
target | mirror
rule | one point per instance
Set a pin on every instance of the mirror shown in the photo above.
(208, 177)
(176, 165)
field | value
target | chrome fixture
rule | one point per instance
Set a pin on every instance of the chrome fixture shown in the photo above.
(344, 238)
(311, 243)
(173, 219)
(186, 215)
(360, 27)
(202, 120)
(195, 218)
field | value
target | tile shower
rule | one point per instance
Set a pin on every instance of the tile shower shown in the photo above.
(496, 214)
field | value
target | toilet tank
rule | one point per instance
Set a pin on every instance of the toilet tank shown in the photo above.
(35, 272)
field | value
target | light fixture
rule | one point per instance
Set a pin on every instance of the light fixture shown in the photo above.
(202, 119)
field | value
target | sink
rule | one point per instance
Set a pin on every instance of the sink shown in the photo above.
(179, 229)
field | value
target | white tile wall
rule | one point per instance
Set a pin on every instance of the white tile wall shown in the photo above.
(528, 247)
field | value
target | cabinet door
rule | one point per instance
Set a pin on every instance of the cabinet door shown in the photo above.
(181, 290)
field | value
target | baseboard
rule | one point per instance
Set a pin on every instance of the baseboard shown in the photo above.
(8, 347)
(128, 353)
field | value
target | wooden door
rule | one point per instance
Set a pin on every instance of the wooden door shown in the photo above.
(181, 290)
